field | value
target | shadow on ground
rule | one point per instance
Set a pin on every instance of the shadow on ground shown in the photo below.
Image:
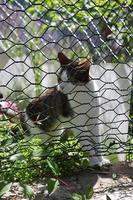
(116, 183)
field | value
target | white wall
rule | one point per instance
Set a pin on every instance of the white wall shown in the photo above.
(17, 79)
(114, 85)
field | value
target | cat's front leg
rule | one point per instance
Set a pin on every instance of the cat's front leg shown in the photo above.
(104, 161)
(82, 135)
(95, 149)
(93, 133)
(91, 144)
(95, 157)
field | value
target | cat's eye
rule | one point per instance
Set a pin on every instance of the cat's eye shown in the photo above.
(62, 77)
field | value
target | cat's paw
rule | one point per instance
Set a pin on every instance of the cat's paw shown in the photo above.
(104, 162)
(99, 162)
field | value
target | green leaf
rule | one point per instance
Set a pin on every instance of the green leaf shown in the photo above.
(40, 153)
(37, 153)
(76, 196)
(5, 142)
(89, 192)
(53, 166)
(27, 190)
(66, 135)
(53, 184)
(4, 188)
(128, 2)
(17, 156)
(107, 197)
(85, 163)
(84, 197)
(114, 175)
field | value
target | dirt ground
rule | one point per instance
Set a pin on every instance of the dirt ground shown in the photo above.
(117, 183)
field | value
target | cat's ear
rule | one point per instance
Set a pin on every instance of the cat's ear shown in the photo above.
(63, 59)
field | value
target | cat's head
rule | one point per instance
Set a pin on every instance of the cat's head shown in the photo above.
(72, 73)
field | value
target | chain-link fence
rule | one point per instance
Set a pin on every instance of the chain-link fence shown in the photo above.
(32, 35)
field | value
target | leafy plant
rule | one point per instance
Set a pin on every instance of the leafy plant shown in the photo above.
(31, 159)
(53, 185)
(27, 191)
(86, 196)
(4, 187)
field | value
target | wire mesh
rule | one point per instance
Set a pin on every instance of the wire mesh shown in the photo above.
(32, 33)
